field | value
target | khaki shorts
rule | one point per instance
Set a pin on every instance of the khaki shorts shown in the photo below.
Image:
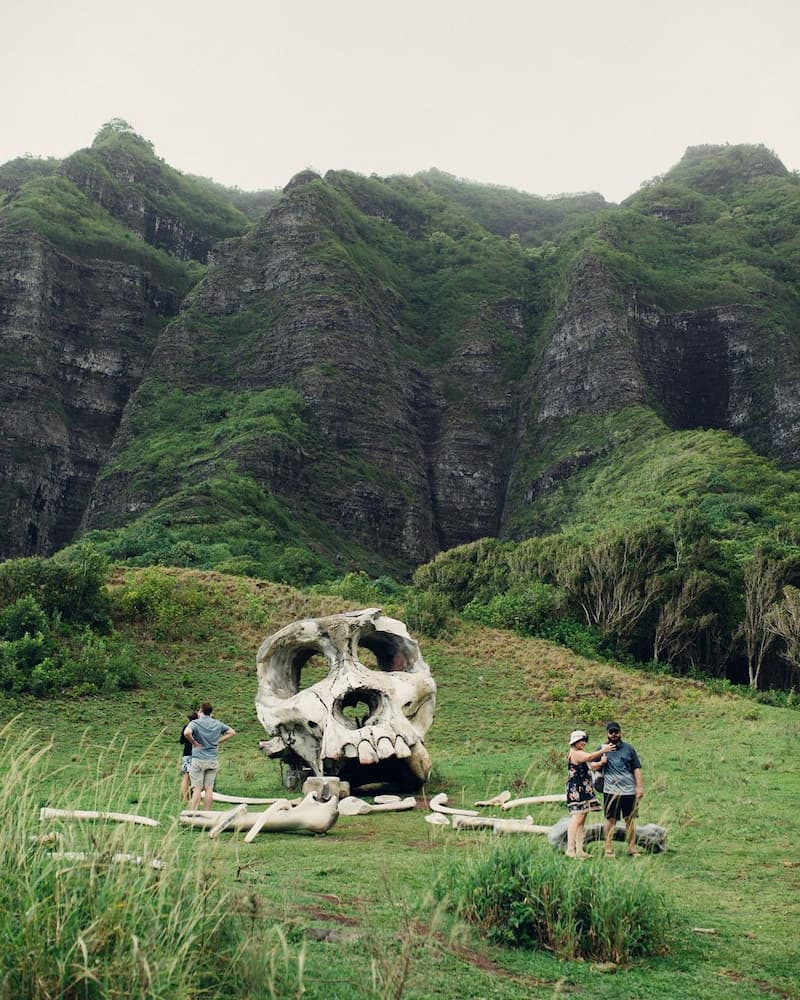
(203, 773)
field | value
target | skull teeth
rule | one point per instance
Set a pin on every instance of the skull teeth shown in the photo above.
(367, 753)
(401, 749)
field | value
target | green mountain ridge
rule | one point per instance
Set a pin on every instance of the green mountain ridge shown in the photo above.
(376, 370)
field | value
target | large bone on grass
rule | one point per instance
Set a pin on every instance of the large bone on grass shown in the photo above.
(498, 824)
(46, 812)
(533, 800)
(226, 819)
(135, 859)
(306, 816)
(437, 804)
(498, 800)
(353, 806)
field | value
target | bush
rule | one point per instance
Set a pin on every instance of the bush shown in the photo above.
(425, 613)
(526, 895)
(71, 585)
(169, 606)
(528, 612)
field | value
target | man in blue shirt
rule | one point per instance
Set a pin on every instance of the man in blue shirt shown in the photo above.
(206, 735)
(622, 790)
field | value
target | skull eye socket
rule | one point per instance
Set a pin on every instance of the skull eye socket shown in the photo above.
(384, 651)
(312, 671)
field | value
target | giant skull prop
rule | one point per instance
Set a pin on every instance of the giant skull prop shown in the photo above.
(363, 723)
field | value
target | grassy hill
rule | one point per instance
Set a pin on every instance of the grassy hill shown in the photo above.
(719, 770)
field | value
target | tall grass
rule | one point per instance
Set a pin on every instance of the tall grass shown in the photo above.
(527, 895)
(77, 924)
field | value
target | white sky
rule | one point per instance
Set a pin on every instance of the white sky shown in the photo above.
(546, 96)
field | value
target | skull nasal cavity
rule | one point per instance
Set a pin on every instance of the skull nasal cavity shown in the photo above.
(356, 707)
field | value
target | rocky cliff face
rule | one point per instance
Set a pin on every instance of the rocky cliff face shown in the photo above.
(75, 340)
(395, 464)
(439, 366)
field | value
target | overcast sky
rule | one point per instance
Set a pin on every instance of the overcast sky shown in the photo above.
(546, 96)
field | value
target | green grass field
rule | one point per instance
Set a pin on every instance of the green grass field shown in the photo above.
(720, 773)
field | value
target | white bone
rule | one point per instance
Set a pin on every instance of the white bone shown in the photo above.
(353, 806)
(437, 819)
(498, 800)
(534, 800)
(498, 825)
(307, 815)
(226, 819)
(219, 797)
(437, 804)
(46, 812)
(316, 727)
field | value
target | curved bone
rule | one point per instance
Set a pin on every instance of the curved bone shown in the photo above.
(306, 816)
(226, 819)
(533, 800)
(437, 804)
(352, 806)
(46, 812)
(499, 825)
(498, 800)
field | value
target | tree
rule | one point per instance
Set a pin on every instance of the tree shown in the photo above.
(783, 622)
(762, 582)
(615, 580)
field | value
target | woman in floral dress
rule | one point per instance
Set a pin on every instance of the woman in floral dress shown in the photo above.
(581, 799)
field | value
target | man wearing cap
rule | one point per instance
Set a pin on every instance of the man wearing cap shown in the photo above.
(622, 790)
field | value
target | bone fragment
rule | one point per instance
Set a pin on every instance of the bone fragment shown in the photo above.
(219, 797)
(533, 800)
(323, 787)
(136, 859)
(263, 818)
(498, 800)
(437, 804)
(383, 799)
(226, 819)
(498, 824)
(437, 819)
(47, 812)
(352, 806)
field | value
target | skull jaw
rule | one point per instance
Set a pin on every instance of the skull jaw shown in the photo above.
(405, 775)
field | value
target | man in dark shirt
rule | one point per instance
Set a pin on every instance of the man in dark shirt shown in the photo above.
(622, 790)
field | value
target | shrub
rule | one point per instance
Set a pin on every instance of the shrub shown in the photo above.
(526, 895)
(169, 606)
(528, 612)
(426, 613)
(70, 585)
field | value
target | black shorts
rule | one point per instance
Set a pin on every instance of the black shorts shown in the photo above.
(619, 806)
